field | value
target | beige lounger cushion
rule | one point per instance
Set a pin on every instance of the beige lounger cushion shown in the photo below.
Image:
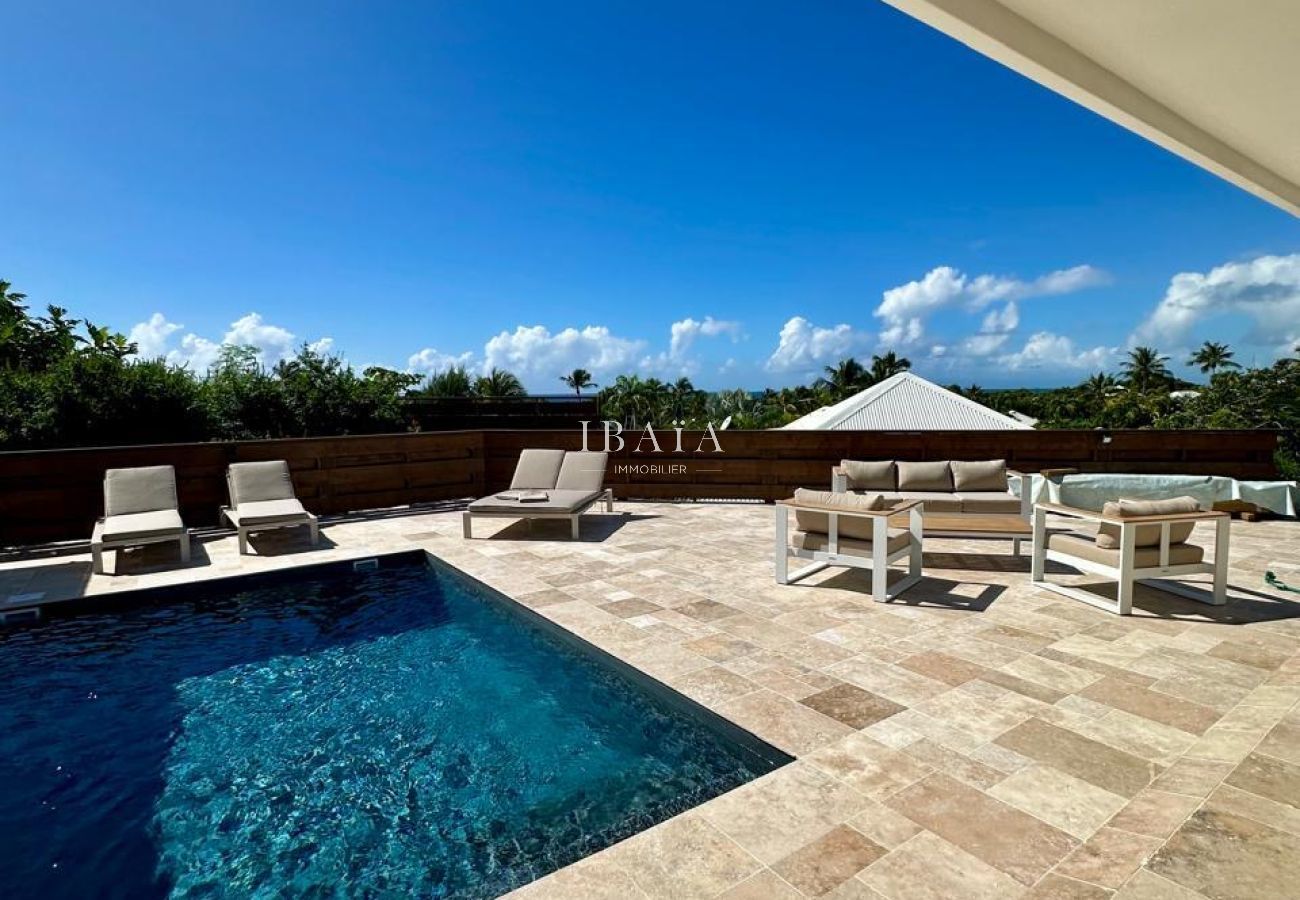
(924, 476)
(849, 546)
(851, 526)
(985, 475)
(537, 470)
(582, 470)
(143, 526)
(1147, 535)
(559, 501)
(877, 475)
(1143, 558)
(140, 490)
(985, 503)
(268, 512)
(267, 480)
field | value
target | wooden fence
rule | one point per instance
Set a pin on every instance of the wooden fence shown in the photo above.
(56, 494)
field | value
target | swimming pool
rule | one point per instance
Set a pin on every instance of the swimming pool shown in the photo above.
(398, 732)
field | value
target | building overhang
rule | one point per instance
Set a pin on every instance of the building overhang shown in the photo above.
(1214, 81)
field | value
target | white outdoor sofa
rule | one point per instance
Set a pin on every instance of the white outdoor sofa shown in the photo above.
(140, 507)
(564, 483)
(1135, 541)
(962, 498)
(847, 530)
(262, 498)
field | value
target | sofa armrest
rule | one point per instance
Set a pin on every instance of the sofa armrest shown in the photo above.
(839, 480)
(1024, 482)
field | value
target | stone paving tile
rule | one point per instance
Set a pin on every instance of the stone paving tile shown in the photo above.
(1004, 837)
(1005, 705)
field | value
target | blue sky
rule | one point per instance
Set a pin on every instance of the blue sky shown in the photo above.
(662, 188)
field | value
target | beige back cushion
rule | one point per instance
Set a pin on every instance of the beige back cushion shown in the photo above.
(251, 482)
(1147, 535)
(144, 489)
(924, 476)
(876, 475)
(984, 475)
(583, 470)
(849, 526)
(537, 470)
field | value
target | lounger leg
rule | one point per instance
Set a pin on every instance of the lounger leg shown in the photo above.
(465, 524)
(782, 533)
(880, 559)
(1015, 546)
(573, 524)
(1221, 561)
(609, 499)
(1128, 539)
(97, 558)
(915, 556)
(243, 541)
(185, 546)
(313, 528)
(1037, 562)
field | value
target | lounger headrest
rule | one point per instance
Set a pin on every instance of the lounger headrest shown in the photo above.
(139, 490)
(537, 470)
(254, 481)
(583, 470)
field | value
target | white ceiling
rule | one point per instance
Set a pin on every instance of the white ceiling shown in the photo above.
(1215, 81)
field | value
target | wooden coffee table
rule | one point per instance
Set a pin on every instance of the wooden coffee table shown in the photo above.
(1004, 528)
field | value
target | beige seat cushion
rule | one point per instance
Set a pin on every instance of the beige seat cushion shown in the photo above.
(876, 475)
(1143, 558)
(1147, 535)
(537, 470)
(582, 470)
(557, 501)
(933, 501)
(849, 526)
(142, 526)
(988, 502)
(985, 475)
(267, 512)
(924, 476)
(848, 546)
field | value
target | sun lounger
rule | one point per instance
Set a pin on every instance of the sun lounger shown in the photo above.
(836, 529)
(1135, 541)
(140, 507)
(262, 498)
(548, 484)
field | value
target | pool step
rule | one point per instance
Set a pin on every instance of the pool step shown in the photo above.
(366, 565)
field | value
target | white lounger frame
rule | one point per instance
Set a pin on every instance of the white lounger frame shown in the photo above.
(1126, 575)
(244, 530)
(877, 563)
(98, 544)
(467, 517)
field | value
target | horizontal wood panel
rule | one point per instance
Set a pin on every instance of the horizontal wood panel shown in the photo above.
(57, 494)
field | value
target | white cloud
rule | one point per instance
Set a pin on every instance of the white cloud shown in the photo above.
(905, 308)
(272, 342)
(1001, 321)
(983, 344)
(532, 352)
(430, 360)
(684, 333)
(1266, 289)
(804, 347)
(1045, 350)
(152, 337)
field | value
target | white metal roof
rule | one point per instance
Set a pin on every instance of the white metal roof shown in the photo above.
(1212, 80)
(906, 402)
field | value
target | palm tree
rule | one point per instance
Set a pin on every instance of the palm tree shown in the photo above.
(452, 382)
(499, 383)
(888, 366)
(845, 377)
(1145, 369)
(579, 379)
(1099, 387)
(1213, 356)
(682, 398)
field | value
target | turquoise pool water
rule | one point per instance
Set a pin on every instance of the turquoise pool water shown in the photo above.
(401, 732)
